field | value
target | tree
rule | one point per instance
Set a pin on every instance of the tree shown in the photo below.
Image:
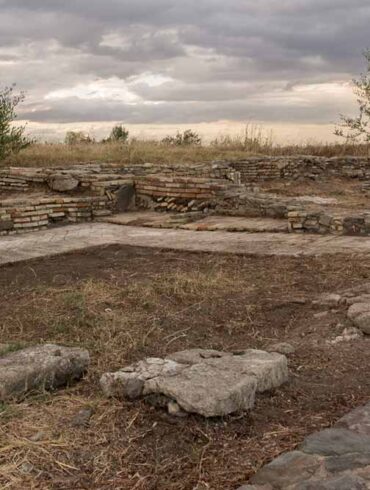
(12, 138)
(119, 134)
(77, 137)
(358, 128)
(187, 138)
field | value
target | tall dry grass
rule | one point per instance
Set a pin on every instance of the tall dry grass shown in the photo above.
(254, 142)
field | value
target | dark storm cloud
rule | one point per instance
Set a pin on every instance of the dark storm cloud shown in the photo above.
(189, 61)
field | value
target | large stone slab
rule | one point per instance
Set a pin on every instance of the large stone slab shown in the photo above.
(40, 367)
(210, 383)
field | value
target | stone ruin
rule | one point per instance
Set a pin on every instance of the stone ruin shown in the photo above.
(38, 198)
(207, 382)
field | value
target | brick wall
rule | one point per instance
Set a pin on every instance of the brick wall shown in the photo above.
(20, 216)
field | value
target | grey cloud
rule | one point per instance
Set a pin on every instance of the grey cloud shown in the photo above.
(219, 54)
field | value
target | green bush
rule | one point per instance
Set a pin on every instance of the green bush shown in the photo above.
(187, 138)
(358, 128)
(12, 138)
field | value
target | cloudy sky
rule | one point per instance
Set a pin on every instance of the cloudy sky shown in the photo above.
(158, 65)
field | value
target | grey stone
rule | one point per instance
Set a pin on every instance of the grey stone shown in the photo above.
(287, 469)
(282, 348)
(82, 417)
(125, 198)
(129, 382)
(40, 367)
(211, 383)
(209, 390)
(357, 420)
(330, 442)
(346, 482)
(363, 322)
(338, 464)
(357, 309)
(328, 299)
(359, 313)
(62, 182)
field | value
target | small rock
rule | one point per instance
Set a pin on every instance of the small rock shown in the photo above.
(175, 409)
(82, 417)
(26, 468)
(328, 299)
(282, 348)
(321, 314)
(348, 334)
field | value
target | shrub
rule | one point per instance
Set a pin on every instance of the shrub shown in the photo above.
(12, 138)
(358, 128)
(187, 138)
(118, 134)
(77, 137)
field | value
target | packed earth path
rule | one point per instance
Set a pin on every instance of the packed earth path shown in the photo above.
(77, 237)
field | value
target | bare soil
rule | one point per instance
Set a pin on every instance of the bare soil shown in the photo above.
(125, 303)
(347, 192)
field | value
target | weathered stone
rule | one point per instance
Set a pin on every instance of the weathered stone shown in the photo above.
(328, 299)
(357, 420)
(208, 382)
(357, 309)
(82, 417)
(287, 469)
(210, 390)
(40, 367)
(129, 382)
(330, 442)
(338, 464)
(62, 182)
(346, 482)
(281, 348)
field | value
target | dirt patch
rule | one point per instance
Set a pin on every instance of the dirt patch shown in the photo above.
(346, 192)
(124, 303)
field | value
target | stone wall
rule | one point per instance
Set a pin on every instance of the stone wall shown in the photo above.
(176, 193)
(329, 222)
(20, 216)
(256, 169)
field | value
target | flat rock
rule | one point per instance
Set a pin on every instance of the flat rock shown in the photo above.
(359, 313)
(40, 367)
(345, 482)
(288, 469)
(357, 420)
(208, 382)
(338, 464)
(331, 442)
(62, 182)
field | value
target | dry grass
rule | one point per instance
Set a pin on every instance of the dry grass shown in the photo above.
(136, 152)
(124, 304)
